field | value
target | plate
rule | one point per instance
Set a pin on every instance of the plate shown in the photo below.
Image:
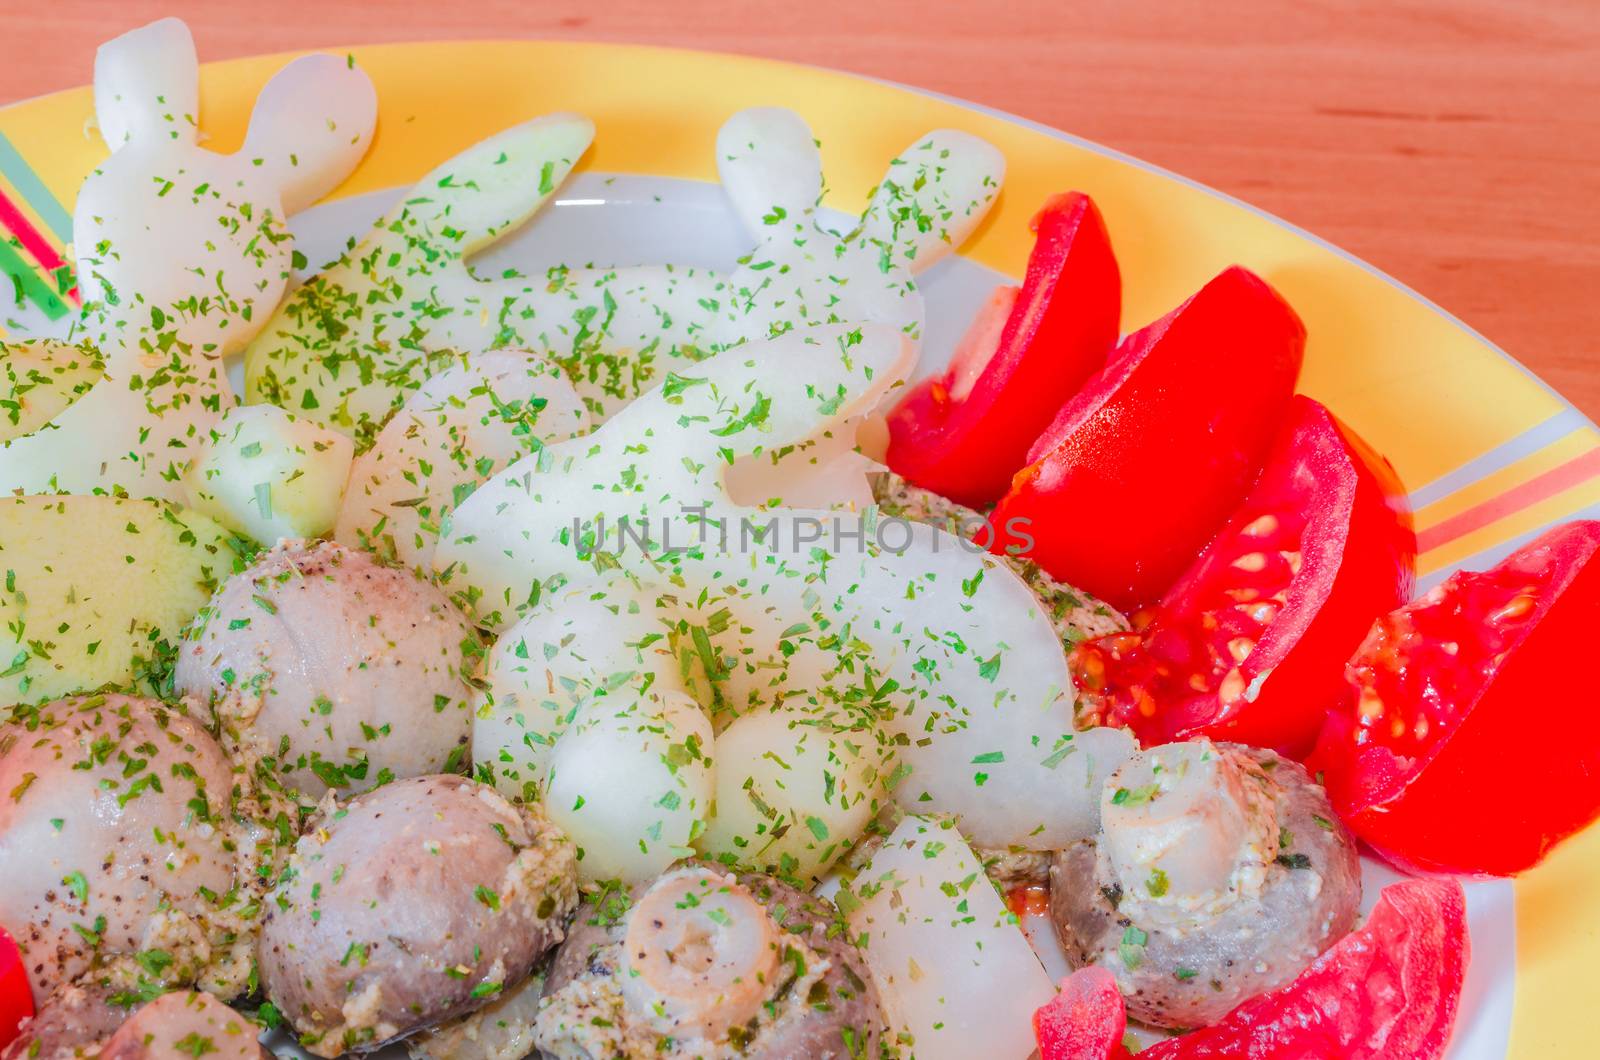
(1489, 454)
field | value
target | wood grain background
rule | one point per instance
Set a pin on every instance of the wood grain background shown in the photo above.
(1453, 143)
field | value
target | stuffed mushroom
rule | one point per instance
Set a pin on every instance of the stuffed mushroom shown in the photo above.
(332, 670)
(116, 839)
(501, 1030)
(408, 905)
(185, 1025)
(74, 1021)
(1220, 872)
(706, 962)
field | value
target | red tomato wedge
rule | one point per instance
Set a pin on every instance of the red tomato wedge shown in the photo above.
(1485, 674)
(1250, 644)
(965, 433)
(16, 995)
(1139, 469)
(1388, 990)
(1085, 1021)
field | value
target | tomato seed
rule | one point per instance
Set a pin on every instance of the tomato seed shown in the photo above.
(1518, 607)
(1262, 526)
(1240, 648)
(1232, 688)
(1147, 704)
(1262, 613)
(1251, 562)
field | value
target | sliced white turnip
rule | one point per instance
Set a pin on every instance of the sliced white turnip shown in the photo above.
(796, 790)
(631, 781)
(468, 421)
(956, 974)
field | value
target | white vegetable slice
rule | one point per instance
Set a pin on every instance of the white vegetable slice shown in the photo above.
(182, 252)
(664, 452)
(631, 782)
(126, 435)
(795, 790)
(343, 345)
(988, 719)
(461, 426)
(801, 275)
(269, 474)
(954, 969)
(589, 638)
(350, 344)
(967, 665)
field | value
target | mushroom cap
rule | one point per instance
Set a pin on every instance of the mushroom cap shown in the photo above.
(70, 1023)
(408, 905)
(185, 1024)
(336, 670)
(1190, 971)
(501, 1030)
(119, 809)
(840, 1015)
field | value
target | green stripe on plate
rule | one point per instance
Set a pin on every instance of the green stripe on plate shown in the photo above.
(27, 284)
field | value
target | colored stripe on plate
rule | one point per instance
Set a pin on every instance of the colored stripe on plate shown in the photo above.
(22, 177)
(1502, 455)
(16, 222)
(27, 283)
(1563, 476)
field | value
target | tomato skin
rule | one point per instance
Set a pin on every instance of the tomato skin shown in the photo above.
(16, 995)
(1389, 989)
(1328, 502)
(1084, 1021)
(1142, 466)
(1520, 713)
(1062, 324)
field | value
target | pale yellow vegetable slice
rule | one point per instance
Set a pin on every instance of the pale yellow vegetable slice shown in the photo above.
(269, 474)
(96, 590)
(795, 790)
(39, 379)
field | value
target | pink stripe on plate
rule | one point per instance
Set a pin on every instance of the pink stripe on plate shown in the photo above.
(1578, 470)
(17, 223)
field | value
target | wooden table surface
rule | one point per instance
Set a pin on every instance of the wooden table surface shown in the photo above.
(1453, 143)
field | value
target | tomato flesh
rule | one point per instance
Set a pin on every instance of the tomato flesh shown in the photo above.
(1390, 989)
(1084, 1021)
(16, 995)
(1139, 470)
(1249, 645)
(1486, 674)
(963, 434)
